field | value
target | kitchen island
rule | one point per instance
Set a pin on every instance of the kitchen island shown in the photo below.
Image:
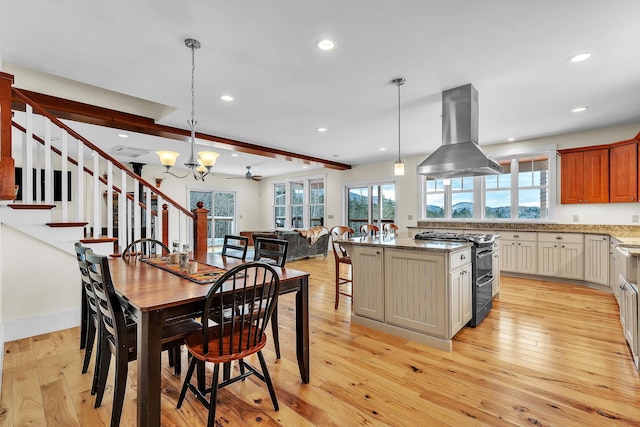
(418, 290)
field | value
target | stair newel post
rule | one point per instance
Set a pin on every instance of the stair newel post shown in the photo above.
(165, 224)
(7, 165)
(200, 230)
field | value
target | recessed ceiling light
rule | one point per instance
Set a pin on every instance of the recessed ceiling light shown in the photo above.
(234, 155)
(123, 135)
(382, 149)
(580, 57)
(326, 44)
(305, 167)
(579, 109)
(227, 98)
(511, 139)
(321, 129)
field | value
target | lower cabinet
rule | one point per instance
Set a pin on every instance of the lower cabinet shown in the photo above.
(368, 274)
(561, 255)
(596, 258)
(518, 252)
(461, 306)
(495, 267)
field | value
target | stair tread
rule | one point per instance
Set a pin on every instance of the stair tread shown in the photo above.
(66, 224)
(99, 240)
(30, 206)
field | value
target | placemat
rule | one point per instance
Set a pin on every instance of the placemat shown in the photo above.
(206, 273)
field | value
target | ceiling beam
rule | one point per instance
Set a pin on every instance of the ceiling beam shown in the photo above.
(91, 114)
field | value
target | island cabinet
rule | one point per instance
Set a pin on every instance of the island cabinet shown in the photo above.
(418, 294)
(596, 258)
(495, 268)
(518, 252)
(623, 172)
(561, 255)
(584, 175)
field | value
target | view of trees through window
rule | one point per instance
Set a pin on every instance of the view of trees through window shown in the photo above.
(299, 203)
(221, 217)
(373, 204)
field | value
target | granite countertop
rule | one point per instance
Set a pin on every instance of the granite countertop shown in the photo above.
(408, 243)
(619, 232)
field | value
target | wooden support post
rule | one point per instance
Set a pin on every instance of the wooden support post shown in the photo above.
(165, 224)
(200, 230)
(7, 165)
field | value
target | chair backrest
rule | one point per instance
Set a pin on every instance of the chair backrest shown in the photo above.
(147, 248)
(114, 324)
(389, 228)
(369, 230)
(340, 232)
(240, 304)
(271, 251)
(84, 276)
(235, 246)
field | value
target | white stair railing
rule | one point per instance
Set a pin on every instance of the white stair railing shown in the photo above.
(62, 159)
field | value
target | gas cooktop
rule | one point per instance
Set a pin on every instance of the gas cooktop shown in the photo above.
(478, 239)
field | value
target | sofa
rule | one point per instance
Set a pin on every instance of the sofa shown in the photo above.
(302, 243)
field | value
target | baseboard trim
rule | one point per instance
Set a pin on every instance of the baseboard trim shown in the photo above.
(38, 325)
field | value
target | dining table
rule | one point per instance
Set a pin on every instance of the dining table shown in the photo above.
(154, 295)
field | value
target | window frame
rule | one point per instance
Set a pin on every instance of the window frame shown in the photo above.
(479, 192)
(306, 206)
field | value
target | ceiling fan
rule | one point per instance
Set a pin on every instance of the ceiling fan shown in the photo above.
(249, 176)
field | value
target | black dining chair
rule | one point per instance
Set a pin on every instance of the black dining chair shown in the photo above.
(235, 246)
(272, 251)
(119, 337)
(90, 309)
(240, 304)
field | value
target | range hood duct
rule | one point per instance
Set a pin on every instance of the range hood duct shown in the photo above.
(459, 155)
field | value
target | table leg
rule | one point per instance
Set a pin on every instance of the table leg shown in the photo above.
(302, 329)
(149, 359)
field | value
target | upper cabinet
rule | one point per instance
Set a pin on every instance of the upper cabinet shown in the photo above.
(601, 174)
(584, 176)
(623, 172)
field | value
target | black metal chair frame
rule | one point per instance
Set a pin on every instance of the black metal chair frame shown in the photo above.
(144, 247)
(235, 246)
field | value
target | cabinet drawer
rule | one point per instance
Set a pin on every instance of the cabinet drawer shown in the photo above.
(527, 236)
(456, 259)
(560, 237)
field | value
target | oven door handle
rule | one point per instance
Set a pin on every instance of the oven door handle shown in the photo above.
(488, 280)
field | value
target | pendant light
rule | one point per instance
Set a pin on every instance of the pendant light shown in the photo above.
(200, 167)
(398, 169)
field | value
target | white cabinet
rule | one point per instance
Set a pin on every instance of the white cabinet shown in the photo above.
(629, 315)
(561, 255)
(613, 269)
(495, 267)
(596, 258)
(518, 252)
(368, 282)
(460, 287)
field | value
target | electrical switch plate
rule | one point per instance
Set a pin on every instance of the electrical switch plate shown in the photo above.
(330, 216)
(576, 218)
(635, 218)
(410, 217)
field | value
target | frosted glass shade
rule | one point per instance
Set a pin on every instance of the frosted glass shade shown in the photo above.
(399, 168)
(208, 158)
(167, 158)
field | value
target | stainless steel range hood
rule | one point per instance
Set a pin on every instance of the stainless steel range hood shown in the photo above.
(459, 155)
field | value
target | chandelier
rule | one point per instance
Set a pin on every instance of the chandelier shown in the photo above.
(200, 167)
(398, 169)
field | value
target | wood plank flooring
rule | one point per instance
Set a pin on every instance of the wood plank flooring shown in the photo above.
(549, 354)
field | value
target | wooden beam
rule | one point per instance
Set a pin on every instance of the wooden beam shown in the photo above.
(86, 113)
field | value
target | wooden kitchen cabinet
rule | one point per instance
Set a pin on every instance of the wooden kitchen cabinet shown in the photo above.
(461, 309)
(518, 252)
(495, 269)
(623, 172)
(584, 176)
(368, 273)
(561, 255)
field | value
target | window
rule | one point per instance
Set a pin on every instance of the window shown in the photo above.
(521, 192)
(370, 204)
(299, 203)
(222, 213)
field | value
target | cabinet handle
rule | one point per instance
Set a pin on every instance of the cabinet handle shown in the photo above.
(463, 257)
(580, 201)
(515, 236)
(559, 237)
(555, 246)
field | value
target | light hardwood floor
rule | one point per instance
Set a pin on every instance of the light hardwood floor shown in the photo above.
(548, 354)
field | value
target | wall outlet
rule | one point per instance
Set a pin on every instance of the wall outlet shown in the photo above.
(410, 217)
(635, 218)
(576, 218)
(330, 216)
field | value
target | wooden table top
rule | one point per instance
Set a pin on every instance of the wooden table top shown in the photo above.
(150, 288)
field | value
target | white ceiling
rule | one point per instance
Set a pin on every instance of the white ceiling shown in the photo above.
(263, 54)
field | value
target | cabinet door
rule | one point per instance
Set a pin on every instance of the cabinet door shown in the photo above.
(596, 176)
(496, 272)
(416, 285)
(623, 175)
(548, 259)
(571, 182)
(460, 308)
(572, 260)
(596, 258)
(368, 282)
(508, 250)
(526, 257)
